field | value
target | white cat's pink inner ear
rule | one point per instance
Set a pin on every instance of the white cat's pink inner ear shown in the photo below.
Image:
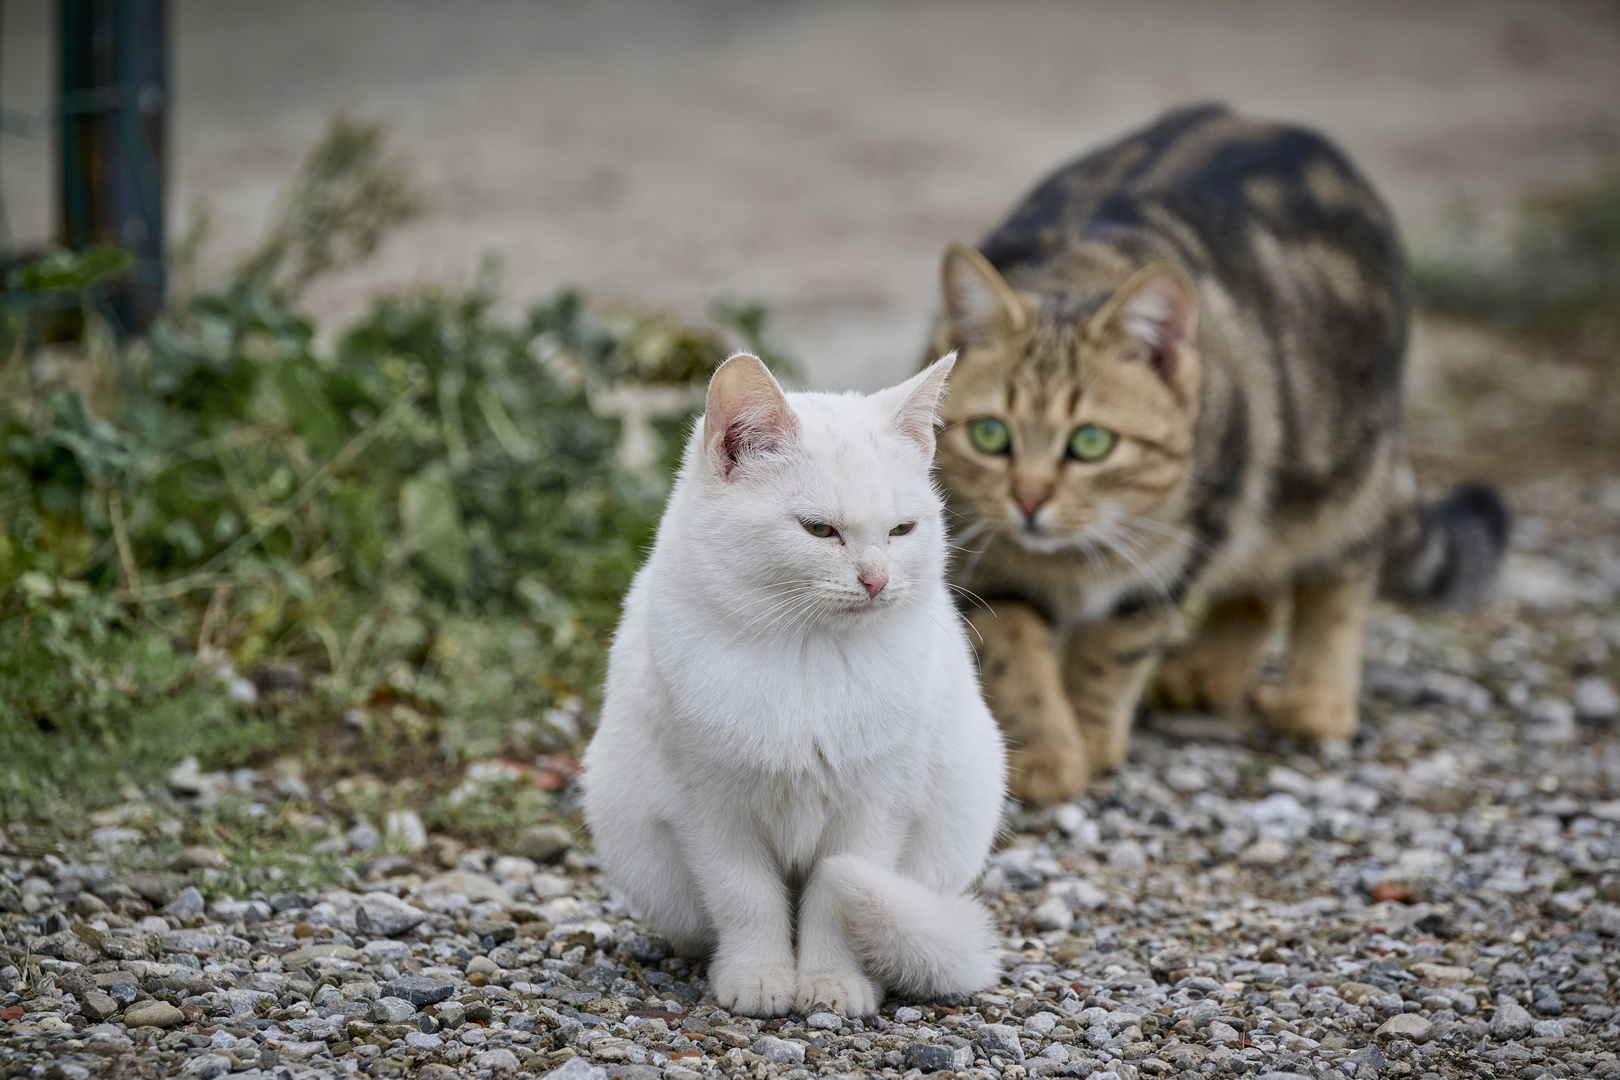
(918, 410)
(746, 415)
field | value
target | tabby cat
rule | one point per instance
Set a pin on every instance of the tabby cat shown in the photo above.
(1179, 388)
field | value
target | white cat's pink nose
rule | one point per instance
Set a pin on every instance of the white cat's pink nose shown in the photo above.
(874, 580)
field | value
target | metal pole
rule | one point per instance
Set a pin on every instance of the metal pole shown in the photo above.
(114, 130)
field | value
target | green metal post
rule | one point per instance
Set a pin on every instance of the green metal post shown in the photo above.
(114, 136)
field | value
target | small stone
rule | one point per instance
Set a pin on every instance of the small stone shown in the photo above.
(86, 905)
(906, 1014)
(189, 941)
(1224, 1034)
(245, 1002)
(1511, 1021)
(779, 1051)
(1595, 699)
(403, 831)
(64, 945)
(391, 1010)
(1406, 1026)
(1548, 721)
(647, 949)
(1040, 1024)
(1369, 1058)
(157, 888)
(186, 778)
(824, 1021)
(1069, 819)
(422, 1040)
(364, 837)
(1600, 919)
(930, 1058)
(187, 904)
(1127, 855)
(208, 1066)
(159, 1014)
(383, 951)
(419, 990)
(544, 843)
(577, 1069)
(300, 957)
(482, 965)
(1266, 851)
(97, 1006)
(1186, 779)
(198, 857)
(380, 914)
(1052, 914)
(1548, 1029)
(1002, 1040)
(499, 1060)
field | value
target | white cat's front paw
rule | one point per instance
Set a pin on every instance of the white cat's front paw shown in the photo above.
(847, 994)
(754, 991)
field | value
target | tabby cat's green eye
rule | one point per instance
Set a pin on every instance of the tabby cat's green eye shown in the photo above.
(1091, 443)
(989, 435)
(818, 528)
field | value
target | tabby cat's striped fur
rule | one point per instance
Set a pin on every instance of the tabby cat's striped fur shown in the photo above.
(1192, 342)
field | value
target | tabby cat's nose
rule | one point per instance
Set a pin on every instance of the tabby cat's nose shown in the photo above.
(1031, 504)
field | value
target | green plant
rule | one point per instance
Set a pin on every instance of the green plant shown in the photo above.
(222, 539)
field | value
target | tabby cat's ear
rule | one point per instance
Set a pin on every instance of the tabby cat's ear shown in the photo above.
(916, 409)
(746, 415)
(1157, 308)
(979, 304)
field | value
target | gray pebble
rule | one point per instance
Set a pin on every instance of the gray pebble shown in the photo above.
(419, 990)
(1511, 1021)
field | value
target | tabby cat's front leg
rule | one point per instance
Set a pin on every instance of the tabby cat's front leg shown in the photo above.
(1106, 665)
(1219, 664)
(1023, 685)
(1320, 694)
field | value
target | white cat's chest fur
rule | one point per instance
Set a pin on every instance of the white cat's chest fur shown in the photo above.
(797, 741)
(822, 705)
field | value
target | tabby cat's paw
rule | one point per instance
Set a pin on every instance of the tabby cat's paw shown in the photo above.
(1309, 717)
(1045, 775)
(754, 991)
(847, 994)
(1184, 683)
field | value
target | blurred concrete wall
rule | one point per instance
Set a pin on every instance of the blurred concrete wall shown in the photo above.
(817, 155)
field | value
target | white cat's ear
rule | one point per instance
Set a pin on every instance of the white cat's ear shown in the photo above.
(746, 415)
(979, 304)
(917, 409)
(1157, 308)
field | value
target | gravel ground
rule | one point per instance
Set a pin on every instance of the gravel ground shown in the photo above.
(1439, 899)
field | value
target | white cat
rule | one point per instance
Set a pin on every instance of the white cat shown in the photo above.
(792, 736)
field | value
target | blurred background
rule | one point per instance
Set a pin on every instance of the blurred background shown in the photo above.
(347, 506)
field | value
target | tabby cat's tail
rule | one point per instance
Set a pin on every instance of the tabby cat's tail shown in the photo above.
(1447, 553)
(915, 940)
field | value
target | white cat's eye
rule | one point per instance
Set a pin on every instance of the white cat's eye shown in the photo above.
(818, 528)
(902, 528)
